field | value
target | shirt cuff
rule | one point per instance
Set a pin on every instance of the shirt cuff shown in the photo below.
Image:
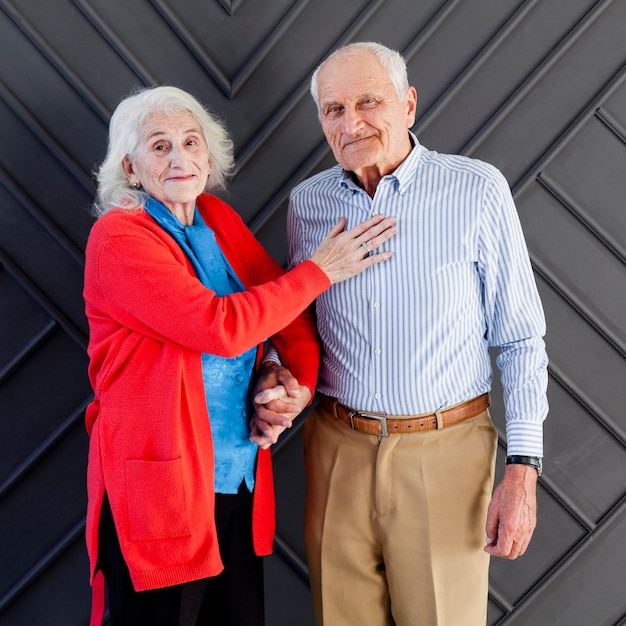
(524, 438)
(272, 356)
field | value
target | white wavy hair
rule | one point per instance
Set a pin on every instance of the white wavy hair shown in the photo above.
(125, 128)
(391, 60)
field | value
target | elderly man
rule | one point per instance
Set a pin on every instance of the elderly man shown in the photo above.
(400, 449)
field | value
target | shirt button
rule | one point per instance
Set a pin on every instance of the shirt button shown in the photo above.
(374, 213)
(377, 396)
(402, 190)
(377, 305)
(239, 378)
(377, 351)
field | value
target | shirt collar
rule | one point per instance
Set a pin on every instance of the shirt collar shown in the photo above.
(403, 175)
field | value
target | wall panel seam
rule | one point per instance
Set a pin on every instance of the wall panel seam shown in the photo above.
(34, 292)
(53, 58)
(537, 74)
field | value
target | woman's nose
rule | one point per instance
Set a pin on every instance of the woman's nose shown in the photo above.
(176, 156)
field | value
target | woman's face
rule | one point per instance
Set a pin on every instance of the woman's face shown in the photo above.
(171, 162)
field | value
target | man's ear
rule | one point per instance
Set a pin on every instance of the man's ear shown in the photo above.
(411, 99)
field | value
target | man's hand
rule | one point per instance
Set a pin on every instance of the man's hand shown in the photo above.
(278, 400)
(512, 513)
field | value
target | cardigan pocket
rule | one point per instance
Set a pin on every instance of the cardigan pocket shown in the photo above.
(156, 500)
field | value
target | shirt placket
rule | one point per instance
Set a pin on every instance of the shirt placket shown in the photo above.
(378, 300)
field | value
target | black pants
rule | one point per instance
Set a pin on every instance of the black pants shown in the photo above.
(233, 598)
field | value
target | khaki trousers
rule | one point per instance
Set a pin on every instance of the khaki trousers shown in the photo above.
(395, 526)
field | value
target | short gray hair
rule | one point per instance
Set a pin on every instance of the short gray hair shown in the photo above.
(391, 60)
(125, 127)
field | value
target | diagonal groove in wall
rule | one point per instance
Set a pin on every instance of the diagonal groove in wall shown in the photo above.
(28, 286)
(231, 6)
(578, 305)
(193, 46)
(74, 535)
(53, 146)
(584, 217)
(49, 54)
(279, 198)
(270, 41)
(591, 406)
(43, 220)
(611, 86)
(116, 44)
(533, 78)
(430, 28)
(230, 89)
(291, 558)
(498, 598)
(29, 348)
(37, 455)
(612, 123)
(470, 70)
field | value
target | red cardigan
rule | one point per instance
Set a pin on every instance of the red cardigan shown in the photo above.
(150, 319)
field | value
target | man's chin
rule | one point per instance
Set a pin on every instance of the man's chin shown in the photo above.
(357, 158)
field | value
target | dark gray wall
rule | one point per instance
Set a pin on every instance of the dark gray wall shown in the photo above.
(537, 87)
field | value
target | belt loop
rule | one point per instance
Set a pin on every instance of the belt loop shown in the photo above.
(439, 417)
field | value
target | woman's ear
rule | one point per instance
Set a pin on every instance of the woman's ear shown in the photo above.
(129, 170)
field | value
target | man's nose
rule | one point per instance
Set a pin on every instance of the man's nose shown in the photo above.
(351, 121)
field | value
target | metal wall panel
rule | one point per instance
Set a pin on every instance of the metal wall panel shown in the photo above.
(537, 87)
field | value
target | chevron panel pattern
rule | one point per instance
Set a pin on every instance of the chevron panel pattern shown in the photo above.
(536, 87)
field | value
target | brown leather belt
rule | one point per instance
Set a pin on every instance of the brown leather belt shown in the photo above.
(383, 425)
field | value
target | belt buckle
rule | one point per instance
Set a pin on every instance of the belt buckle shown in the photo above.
(380, 418)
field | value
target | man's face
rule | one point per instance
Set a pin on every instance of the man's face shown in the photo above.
(364, 121)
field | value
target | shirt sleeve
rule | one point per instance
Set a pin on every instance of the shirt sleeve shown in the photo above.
(515, 319)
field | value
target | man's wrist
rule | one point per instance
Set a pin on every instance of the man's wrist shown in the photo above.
(520, 459)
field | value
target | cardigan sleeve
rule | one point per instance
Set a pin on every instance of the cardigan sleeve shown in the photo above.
(136, 274)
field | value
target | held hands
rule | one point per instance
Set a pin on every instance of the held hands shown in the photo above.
(278, 400)
(346, 253)
(512, 514)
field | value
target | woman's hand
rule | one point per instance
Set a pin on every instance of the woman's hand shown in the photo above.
(346, 253)
(278, 399)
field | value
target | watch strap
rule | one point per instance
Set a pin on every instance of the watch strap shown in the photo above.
(519, 459)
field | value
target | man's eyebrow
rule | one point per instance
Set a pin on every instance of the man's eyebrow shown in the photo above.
(363, 96)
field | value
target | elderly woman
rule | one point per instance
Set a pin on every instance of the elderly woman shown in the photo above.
(180, 299)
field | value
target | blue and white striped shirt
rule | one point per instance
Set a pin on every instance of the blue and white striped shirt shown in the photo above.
(411, 335)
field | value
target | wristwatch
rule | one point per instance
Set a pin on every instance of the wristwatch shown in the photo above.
(534, 461)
